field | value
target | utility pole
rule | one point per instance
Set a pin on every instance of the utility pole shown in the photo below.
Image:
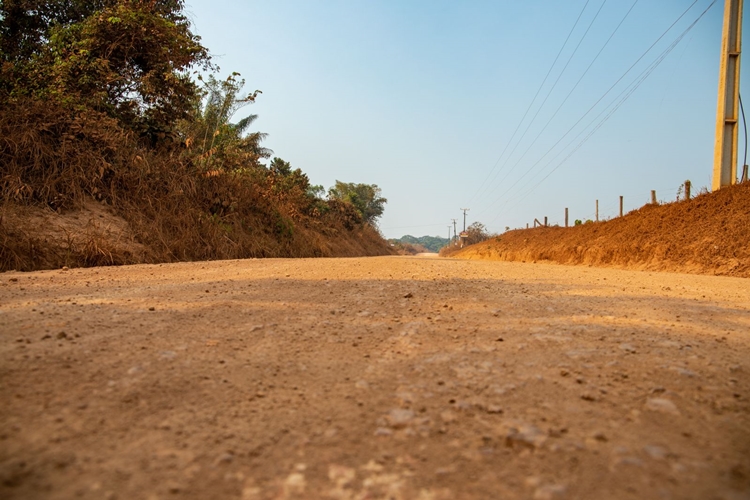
(597, 210)
(454, 229)
(465, 210)
(727, 110)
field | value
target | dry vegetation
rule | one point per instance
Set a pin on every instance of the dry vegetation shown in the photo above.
(148, 205)
(110, 153)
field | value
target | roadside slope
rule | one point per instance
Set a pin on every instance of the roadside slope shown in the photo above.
(708, 234)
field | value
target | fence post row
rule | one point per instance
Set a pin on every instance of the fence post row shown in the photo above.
(654, 201)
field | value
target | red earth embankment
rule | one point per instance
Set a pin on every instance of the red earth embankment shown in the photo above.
(709, 234)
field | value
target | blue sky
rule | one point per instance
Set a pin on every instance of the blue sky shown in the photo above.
(423, 97)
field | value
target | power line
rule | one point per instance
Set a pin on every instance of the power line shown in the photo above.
(632, 90)
(576, 84)
(625, 96)
(549, 93)
(533, 100)
(593, 106)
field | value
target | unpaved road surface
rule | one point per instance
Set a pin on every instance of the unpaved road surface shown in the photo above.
(378, 378)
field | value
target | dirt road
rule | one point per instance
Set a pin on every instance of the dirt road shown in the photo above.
(393, 378)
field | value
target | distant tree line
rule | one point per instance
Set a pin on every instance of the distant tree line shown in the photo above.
(431, 243)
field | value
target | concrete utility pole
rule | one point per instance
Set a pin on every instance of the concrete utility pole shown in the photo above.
(597, 210)
(465, 210)
(454, 228)
(727, 110)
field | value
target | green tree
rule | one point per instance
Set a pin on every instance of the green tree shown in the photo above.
(366, 198)
(288, 180)
(280, 167)
(219, 143)
(477, 233)
(129, 58)
(316, 191)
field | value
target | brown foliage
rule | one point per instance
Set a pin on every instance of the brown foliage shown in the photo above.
(50, 157)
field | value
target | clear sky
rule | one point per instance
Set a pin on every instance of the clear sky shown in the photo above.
(425, 98)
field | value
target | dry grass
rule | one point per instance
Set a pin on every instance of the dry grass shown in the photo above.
(54, 160)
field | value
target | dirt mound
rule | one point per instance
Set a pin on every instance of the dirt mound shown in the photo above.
(709, 234)
(36, 237)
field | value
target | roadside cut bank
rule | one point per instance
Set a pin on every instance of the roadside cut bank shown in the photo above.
(709, 234)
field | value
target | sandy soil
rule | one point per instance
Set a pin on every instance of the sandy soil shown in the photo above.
(393, 377)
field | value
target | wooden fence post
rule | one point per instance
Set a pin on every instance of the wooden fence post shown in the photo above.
(744, 174)
(566, 217)
(597, 210)
(545, 221)
(653, 197)
(620, 206)
(687, 190)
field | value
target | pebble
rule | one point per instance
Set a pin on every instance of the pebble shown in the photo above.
(550, 492)
(448, 416)
(226, 458)
(494, 409)
(662, 405)
(341, 475)
(600, 436)
(524, 436)
(655, 452)
(628, 461)
(398, 418)
(682, 371)
(628, 348)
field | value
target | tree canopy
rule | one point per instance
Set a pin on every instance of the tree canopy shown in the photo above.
(128, 58)
(117, 100)
(218, 142)
(366, 198)
(477, 233)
